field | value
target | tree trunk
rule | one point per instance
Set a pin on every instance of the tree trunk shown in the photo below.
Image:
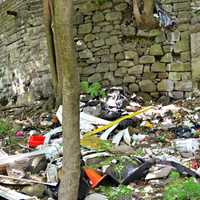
(144, 18)
(56, 73)
(65, 46)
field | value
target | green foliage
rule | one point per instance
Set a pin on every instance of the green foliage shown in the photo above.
(139, 152)
(84, 86)
(5, 127)
(181, 189)
(94, 90)
(121, 192)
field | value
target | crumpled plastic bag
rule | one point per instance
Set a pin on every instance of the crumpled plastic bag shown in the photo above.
(165, 19)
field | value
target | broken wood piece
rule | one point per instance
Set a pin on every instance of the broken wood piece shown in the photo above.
(9, 194)
(27, 180)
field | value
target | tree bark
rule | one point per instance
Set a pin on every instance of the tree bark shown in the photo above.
(144, 18)
(56, 72)
(65, 46)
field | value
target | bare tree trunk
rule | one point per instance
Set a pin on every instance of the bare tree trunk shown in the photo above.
(65, 46)
(56, 72)
(144, 18)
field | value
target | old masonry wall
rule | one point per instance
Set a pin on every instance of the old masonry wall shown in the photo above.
(110, 49)
(24, 68)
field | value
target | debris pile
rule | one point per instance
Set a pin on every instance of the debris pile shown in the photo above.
(126, 146)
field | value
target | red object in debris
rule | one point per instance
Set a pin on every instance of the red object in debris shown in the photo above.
(35, 140)
(195, 164)
(19, 134)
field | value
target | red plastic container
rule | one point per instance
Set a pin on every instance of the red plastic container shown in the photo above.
(35, 140)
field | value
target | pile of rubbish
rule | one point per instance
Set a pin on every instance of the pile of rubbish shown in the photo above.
(125, 145)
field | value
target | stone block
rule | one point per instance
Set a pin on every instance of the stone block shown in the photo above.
(107, 28)
(165, 85)
(184, 27)
(113, 66)
(96, 29)
(160, 38)
(93, 60)
(117, 81)
(116, 48)
(128, 30)
(185, 56)
(177, 94)
(174, 36)
(182, 45)
(185, 35)
(109, 76)
(163, 75)
(133, 87)
(88, 70)
(98, 17)
(119, 56)
(178, 67)
(106, 5)
(98, 43)
(87, 7)
(138, 69)
(126, 63)
(132, 55)
(129, 79)
(95, 78)
(89, 37)
(186, 76)
(149, 75)
(85, 54)
(182, 6)
(156, 50)
(120, 72)
(167, 58)
(158, 67)
(183, 86)
(147, 86)
(113, 16)
(167, 48)
(175, 76)
(195, 46)
(112, 40)
(121, 7)
(102, 67)
(147, 68)
(147, 60)
(101, 52)
(85, 28)
(102, 35)
(107, 58)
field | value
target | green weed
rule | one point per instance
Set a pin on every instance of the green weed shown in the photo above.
(94, 89)
(5, 128)
(121, 192)
(181, 189)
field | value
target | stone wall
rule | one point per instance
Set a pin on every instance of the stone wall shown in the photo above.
(110, 49)
(24, 70)
(195, 42)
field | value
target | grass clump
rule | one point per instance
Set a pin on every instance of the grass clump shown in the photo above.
(5, 128)
(181, 189)
(122, 192)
